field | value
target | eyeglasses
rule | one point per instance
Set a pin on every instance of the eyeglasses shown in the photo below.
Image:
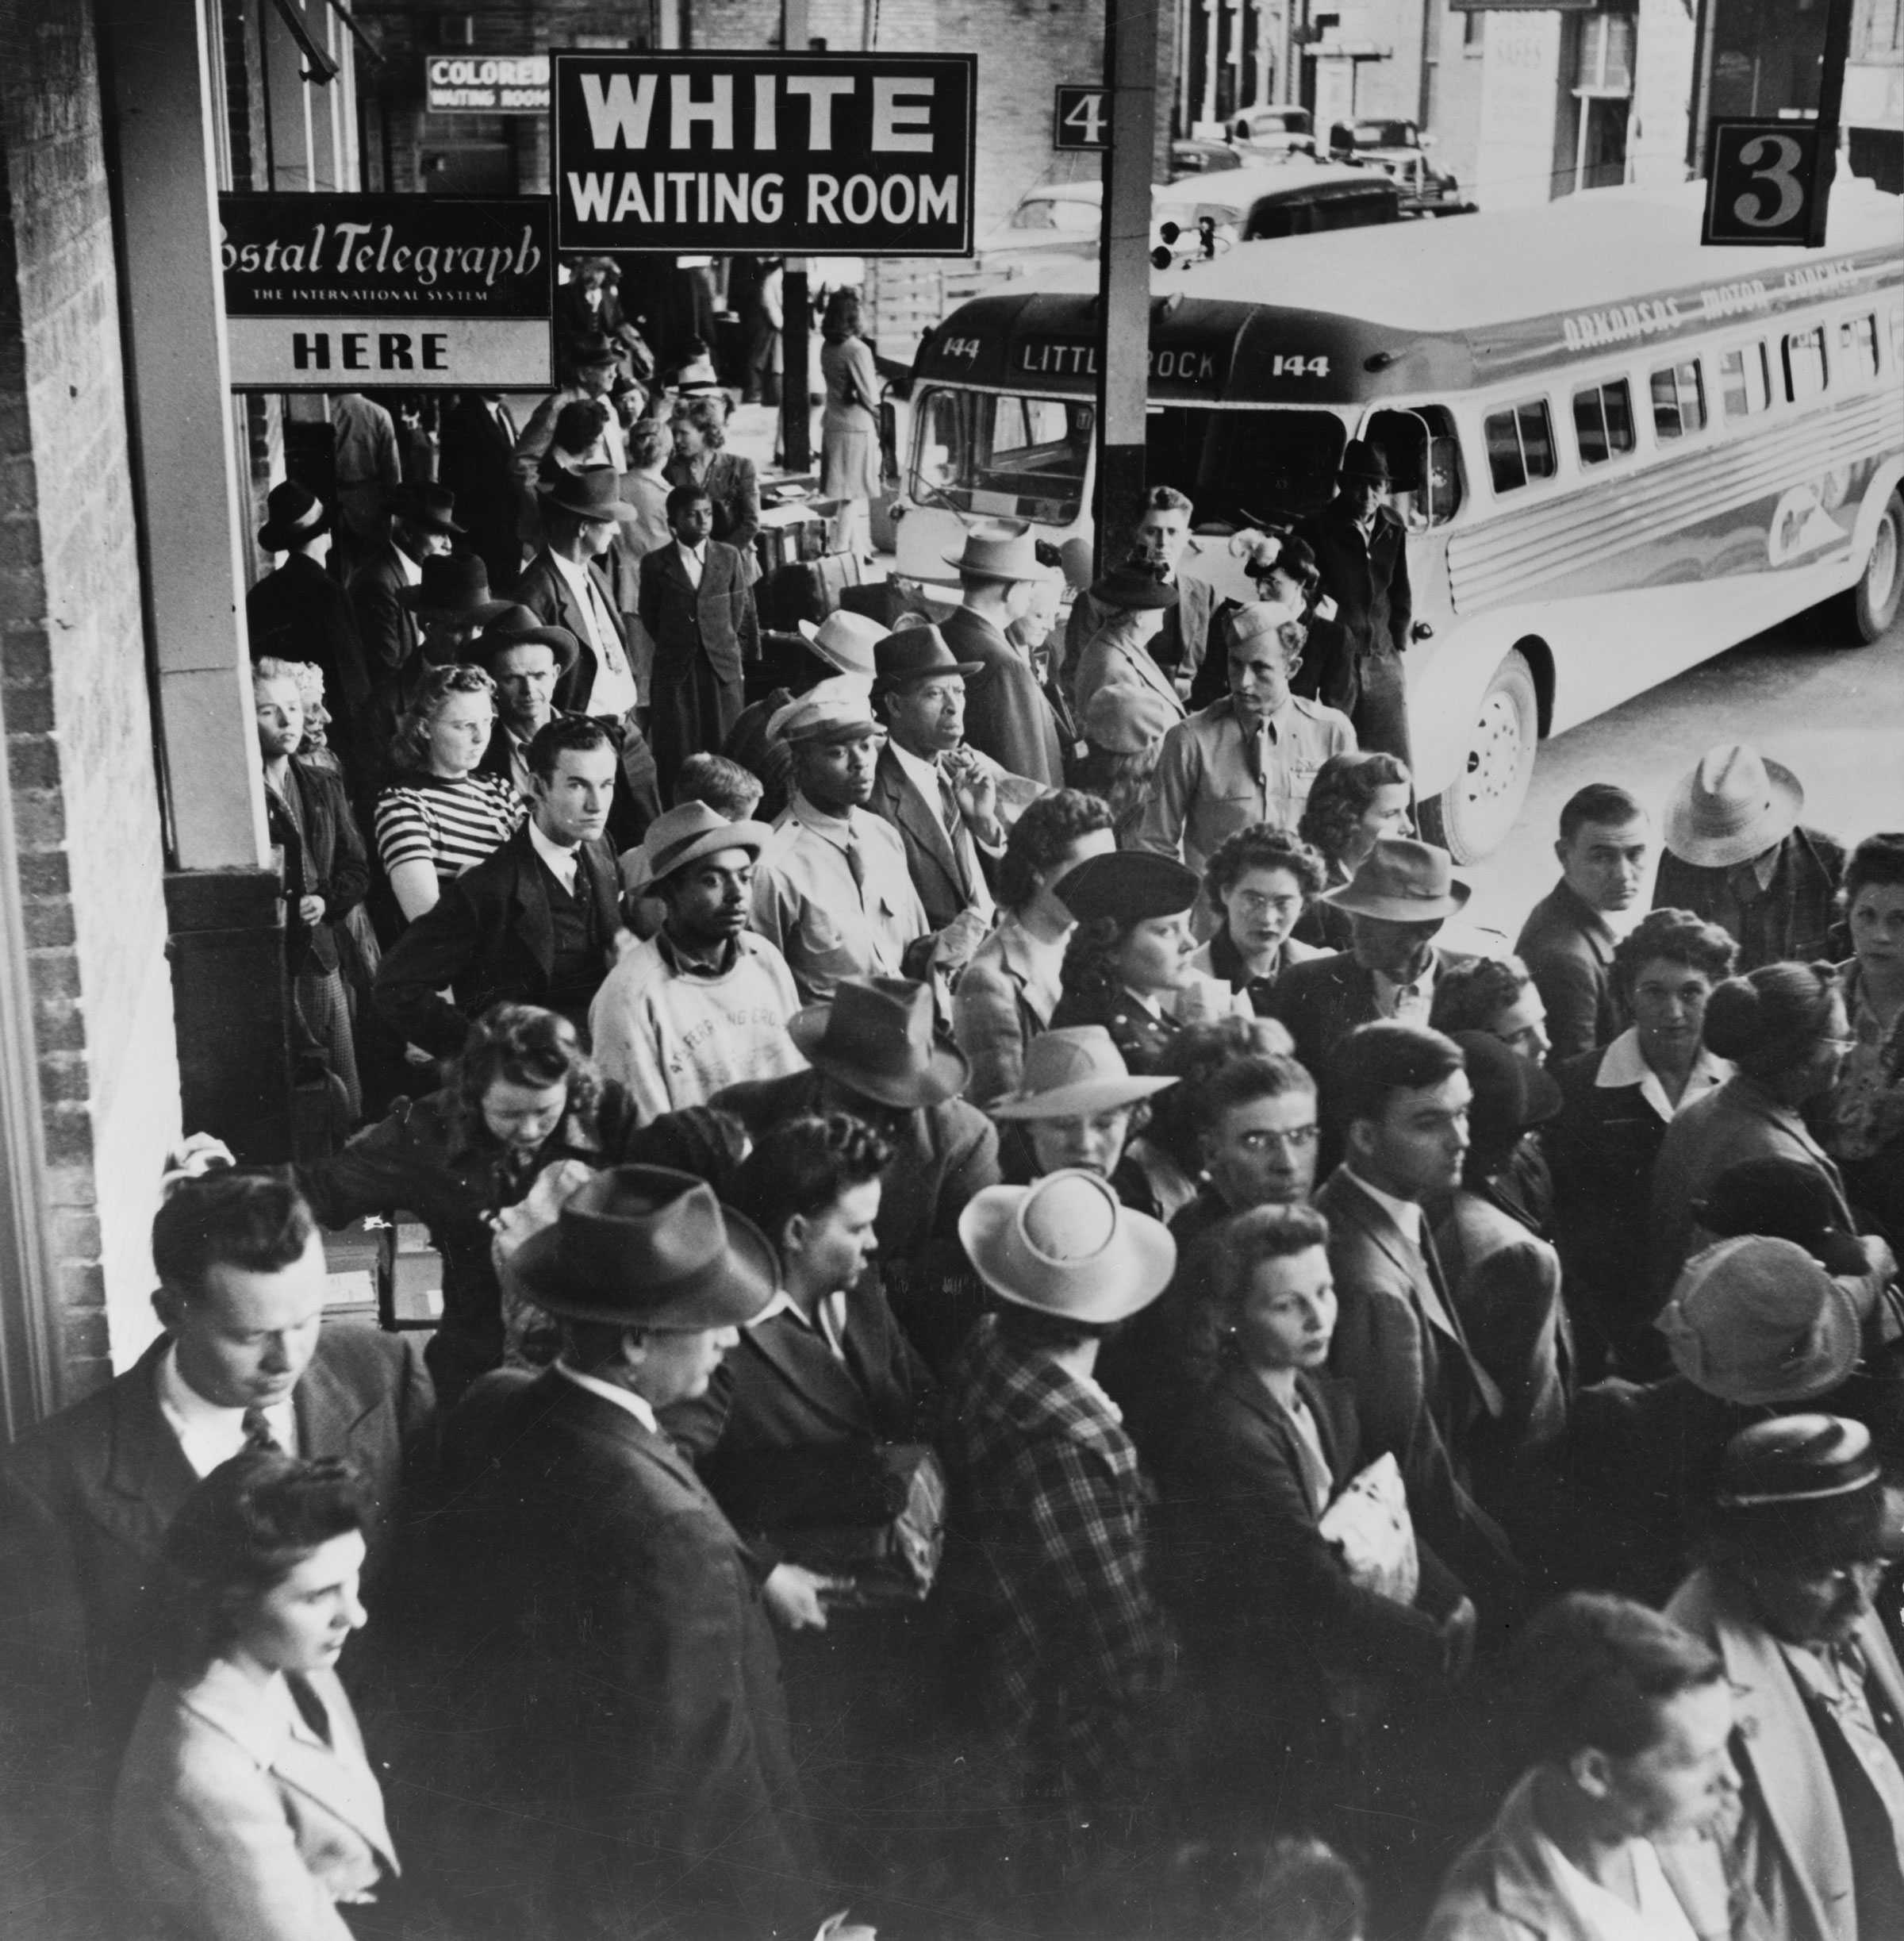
(1298, 1138)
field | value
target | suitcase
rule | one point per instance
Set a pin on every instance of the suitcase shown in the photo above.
(808, 589)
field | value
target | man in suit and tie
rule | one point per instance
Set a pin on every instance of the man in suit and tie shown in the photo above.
(1162, 542)
(1361, 550)
(1402, 893)
(1006, 715)
(1400, 1095)
(538, 921)
(564, 587)
(476, 463)
(622, 1662)
(696, 604)
(86, 1498)
(422, 527)
(939, 792)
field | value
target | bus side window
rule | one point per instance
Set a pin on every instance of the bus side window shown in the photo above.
(1425, 460)
(1744, 383)
(1805, 363)
(1858, 348)
(1602, 422)
(1679, 400)
(1520, 445)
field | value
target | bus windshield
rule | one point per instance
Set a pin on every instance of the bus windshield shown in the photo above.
(1019, 458)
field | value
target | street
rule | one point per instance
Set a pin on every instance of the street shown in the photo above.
(1832, 713)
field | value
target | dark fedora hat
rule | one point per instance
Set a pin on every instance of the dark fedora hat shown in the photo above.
(1134, 588)
(1360, 459)
(1511, 1093)
(433, 507)
(296, 515)
(1805, 1489)
(646, 1247)
(876, 1038)
(1131, 886)
(519, 626)
(588, 494)
(915, 652)
(456, 585)
(589, 350)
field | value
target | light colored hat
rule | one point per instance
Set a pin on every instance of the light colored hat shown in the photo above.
(1071, 1073)
(1756, 1319)
(1401, 880)
(693, 830)
(844, 640)
(1067, 1245)
(1125, 718)
(1258, 617)
(839, 709)
(999, 549)
(1734, 806)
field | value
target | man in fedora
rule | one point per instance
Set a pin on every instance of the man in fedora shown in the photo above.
(1401, 894)
(564, 586)
(298, 612)
(1249, 758)
(1802, 1533)
(833, 891)
(1008, 718)
(369, 471)
(422, 527)
(537, 921)
(937, 790)
(595, 360)
(873, 1054)
(696, 605)
(1737, 855)
(623, 1663)
(476, 462)
(528, 661)
(1063, 1646)
(703, 1003)
(1361, 552)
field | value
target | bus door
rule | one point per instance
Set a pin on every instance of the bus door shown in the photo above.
(1427, 489)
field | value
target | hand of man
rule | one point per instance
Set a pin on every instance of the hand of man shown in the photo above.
(794, 1595)
(975, 788)
(310, 912)
(958, 939)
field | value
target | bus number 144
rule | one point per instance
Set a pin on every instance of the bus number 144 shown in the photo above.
(1299, 367)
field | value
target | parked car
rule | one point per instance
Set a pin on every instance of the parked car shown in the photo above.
(1201, 158)
(1399, 150)
(1055, 223)
(1294, 196)
(1273, 131)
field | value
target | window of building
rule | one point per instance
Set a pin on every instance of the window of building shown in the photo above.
(1602, 422)
(1858, 348)
(1474, 33)
(1520, 445)
(1744, 381)
(1805, 363)
(1679, 400)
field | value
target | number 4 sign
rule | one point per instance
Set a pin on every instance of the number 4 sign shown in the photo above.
(1080, 119)
(1763, 183)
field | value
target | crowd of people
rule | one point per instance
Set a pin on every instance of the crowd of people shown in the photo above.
(1027, 1346)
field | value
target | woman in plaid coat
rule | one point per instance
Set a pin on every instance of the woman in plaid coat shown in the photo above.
(1064, 1645)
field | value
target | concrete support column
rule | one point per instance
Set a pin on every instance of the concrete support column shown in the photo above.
(1213, 44)
(173, 325)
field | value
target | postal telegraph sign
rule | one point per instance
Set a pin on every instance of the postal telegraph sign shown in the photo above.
(803, 155)
(331, 293)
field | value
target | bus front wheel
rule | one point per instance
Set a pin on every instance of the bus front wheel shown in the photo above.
(1471, 816)
(1875, 598)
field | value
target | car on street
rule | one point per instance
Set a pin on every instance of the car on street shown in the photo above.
(1260, 133)
(1400, 151)
(1201, 158)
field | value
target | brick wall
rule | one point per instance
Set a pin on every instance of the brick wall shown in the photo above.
(85, 798)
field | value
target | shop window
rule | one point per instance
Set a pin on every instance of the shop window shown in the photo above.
(1805, 363)
(1520, 445)
(1602, 422)
(1746, 381)
(1679, 400)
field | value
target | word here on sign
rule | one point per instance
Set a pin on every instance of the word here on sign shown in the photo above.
(814, 155)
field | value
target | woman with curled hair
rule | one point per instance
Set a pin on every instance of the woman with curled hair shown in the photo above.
(521, 1096)
(1784, 1029)
(1863, 1120)
(849, 465)
(1007, 993)
(1617, 1101)
(443, 814)
(1261, 879)
(1283, 1634)
(247, 1809)
(1354, 801)
(699, 428)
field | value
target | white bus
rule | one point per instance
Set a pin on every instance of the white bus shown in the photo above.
(1617, 453)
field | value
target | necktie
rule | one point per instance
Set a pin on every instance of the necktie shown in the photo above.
(604, 631)
(955, 822)
(258, 1432)
(856, 863)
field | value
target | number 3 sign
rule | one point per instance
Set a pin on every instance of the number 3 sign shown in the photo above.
(1762, 182)
(1080, 118)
